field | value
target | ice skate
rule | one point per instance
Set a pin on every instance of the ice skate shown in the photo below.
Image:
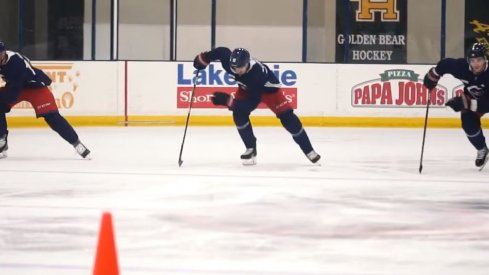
(249, 157)
(482, 157)
(81, 149)
(313, 156)
(3, 146)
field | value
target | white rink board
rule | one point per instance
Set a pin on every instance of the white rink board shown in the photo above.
(153, 88)
(88, 88)
(83, 88)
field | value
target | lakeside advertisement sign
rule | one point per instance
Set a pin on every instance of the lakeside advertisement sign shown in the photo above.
(214, 78)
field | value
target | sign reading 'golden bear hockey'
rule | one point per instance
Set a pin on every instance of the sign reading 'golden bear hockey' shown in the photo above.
(371, 31)
(476, 22)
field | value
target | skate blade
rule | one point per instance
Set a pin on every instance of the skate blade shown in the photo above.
(485, 162)
(249, 162)
(317, 163)
(3, 155)
(87, 157)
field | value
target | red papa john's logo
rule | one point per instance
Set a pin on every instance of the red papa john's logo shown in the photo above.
(202, 97)
(399, 89)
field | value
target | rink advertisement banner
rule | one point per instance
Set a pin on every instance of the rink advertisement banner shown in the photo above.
(164, 88)
(397, 88)
(392, 90)
(202, 97)
(81, 88)
(371, 31)
(476, 22)
(316, 90)
(214, 78)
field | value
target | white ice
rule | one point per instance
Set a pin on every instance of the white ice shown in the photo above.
(366, 210)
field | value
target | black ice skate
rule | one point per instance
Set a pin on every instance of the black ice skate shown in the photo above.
(81, 149)
(482, 157)
(313, 156)
(249, 156)
(3, 146)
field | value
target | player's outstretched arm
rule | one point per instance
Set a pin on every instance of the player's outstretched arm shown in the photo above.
(445, 66)
(221, 54)
(201, 61)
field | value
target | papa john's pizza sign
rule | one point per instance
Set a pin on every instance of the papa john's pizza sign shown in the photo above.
(397, 88)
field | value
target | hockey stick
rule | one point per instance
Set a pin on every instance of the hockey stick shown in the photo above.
(424, 132)
(180, 161)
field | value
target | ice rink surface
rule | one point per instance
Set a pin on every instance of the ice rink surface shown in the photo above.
(366, 210)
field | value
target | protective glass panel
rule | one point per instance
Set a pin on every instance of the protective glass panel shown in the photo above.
(144, 30)
(193, 28)
(271, 30)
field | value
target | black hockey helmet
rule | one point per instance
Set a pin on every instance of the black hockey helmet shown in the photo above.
(240, 57)
(477, 50)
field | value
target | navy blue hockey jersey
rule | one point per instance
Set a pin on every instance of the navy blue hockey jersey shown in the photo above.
(257, 80)
(475, 86)
(18, 73)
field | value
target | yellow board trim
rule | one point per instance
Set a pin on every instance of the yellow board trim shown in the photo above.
(256, 121)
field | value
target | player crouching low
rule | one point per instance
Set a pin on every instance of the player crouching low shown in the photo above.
(257, 83)
(23, 82)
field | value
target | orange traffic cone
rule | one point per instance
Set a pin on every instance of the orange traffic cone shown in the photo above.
(106, 258)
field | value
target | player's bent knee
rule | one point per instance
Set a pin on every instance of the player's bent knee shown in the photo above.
(290, 121)
(241, 118)
(470, 122)
(50, 115)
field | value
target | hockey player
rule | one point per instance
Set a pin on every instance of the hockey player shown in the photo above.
(257, 83)
(474, 102)
(27, 83)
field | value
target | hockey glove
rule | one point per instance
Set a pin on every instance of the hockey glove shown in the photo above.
(201, 61)
(431, 79)
(4, 108)
(221, 98)
(462, 103)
